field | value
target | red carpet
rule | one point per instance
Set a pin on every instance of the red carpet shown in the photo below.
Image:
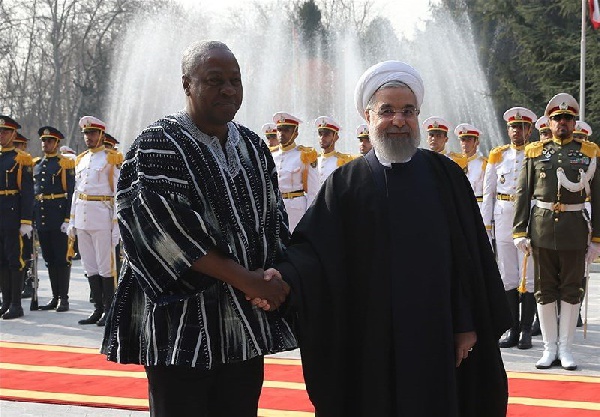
(81, 376)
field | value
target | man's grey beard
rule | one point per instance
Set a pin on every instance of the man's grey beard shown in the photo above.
(395, 150)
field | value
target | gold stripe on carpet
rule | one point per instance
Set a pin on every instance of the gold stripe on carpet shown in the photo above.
(72, 371)
(545, 402)
(285, 385)
(275, 361)
(49, 348)
(74, 398)
(263, 412)
(553, 377)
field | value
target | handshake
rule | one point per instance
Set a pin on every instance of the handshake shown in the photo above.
(267, 289)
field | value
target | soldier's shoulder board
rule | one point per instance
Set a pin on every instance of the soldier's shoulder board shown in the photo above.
(81, 155)
(589, 149)
(36, 160)
(114, 157)
(534, 149)
(496, 154)
(66, 163)
(308, 155)
(23, 158)
(343, 158)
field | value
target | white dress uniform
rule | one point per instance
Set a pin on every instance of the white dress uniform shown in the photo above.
(92, 212)
(298, 179)
(329, 162)
(499, 188)
(475, 172)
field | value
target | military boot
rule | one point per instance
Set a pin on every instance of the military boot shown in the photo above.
(64, 276)
(549, 326)
(5, 283)
(527, 313)
(108, 290)
(51, 305)
(96, 294)
(512, 338)
(15, 310)
(27, 285)
(566, 331)
(535, 328)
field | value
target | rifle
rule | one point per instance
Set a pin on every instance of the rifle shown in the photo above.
(33, 272)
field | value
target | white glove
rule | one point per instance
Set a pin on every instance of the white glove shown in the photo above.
(523, 244)
(64, 228)
(593, 251)
(26, 230)
(71, 231)
(116, 235)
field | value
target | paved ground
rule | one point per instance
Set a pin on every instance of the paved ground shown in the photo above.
(62, 328)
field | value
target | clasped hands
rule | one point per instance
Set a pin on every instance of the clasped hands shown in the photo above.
(268, 291)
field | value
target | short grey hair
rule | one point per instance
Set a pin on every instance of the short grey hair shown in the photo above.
(197, 52)
(389, 84)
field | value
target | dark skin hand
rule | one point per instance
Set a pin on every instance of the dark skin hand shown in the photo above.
(252, 283)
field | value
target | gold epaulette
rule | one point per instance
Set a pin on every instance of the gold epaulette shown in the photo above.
(460, 159)
(589, 148)
(308, 155)
(496, 154)
(66, 163)
(23, 158)
(36, 160)
(81, 155)
(114, 157)
(534, 149)
(343, 158)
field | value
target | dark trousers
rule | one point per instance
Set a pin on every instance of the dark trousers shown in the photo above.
(54, 247)
(12, 249)
(558, 275)
(230, 390)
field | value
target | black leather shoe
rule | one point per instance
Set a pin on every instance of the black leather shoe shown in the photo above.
(13, 312)
(50, 306)
(511, 340)
(27, 291)
(63, 305)
(93, 318)
(535, 329)
(3, 309)
(525, 340)
(102, 321)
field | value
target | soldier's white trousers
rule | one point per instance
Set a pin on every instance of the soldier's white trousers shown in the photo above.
(510, 264)
(95, 248)
(295, 207)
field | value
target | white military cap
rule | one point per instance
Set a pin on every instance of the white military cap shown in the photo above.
(465, 129)
(269, 128)
(326, 122)
(282, 118)
(582, 128)
(362, 131)
(381, 73)
(91, 122)
(542, 124)
(519, 115)
(436, 123)
(562, 103)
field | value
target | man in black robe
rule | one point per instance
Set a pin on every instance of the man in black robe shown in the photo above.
(398, 296)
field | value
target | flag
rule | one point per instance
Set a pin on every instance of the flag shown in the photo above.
(595, 13)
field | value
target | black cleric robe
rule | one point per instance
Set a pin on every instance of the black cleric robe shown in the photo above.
(386, 265)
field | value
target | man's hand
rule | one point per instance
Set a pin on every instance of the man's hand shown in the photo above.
(65, 228)
(71, 231)
(463, 344)
(269, 292)
(523, 244)
(26, 230)
(593, 251)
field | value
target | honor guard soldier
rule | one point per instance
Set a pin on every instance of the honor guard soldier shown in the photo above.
(559, 175)
(329, 160)
(296, 168)
(498, 209)
(437, 135)
(20, 142)
(582, 131)
(93, 215)
(362, 134)
(471, 161)
(110, 142)
(16, 215)
(270, 132)
(543, 128)
(54, 179)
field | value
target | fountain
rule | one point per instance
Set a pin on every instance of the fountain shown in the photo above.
(279, 73)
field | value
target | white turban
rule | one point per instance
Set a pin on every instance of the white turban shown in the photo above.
(381, 73)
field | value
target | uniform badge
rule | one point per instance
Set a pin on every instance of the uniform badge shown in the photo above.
(314, 164)
(502, 179)
(542, 175)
